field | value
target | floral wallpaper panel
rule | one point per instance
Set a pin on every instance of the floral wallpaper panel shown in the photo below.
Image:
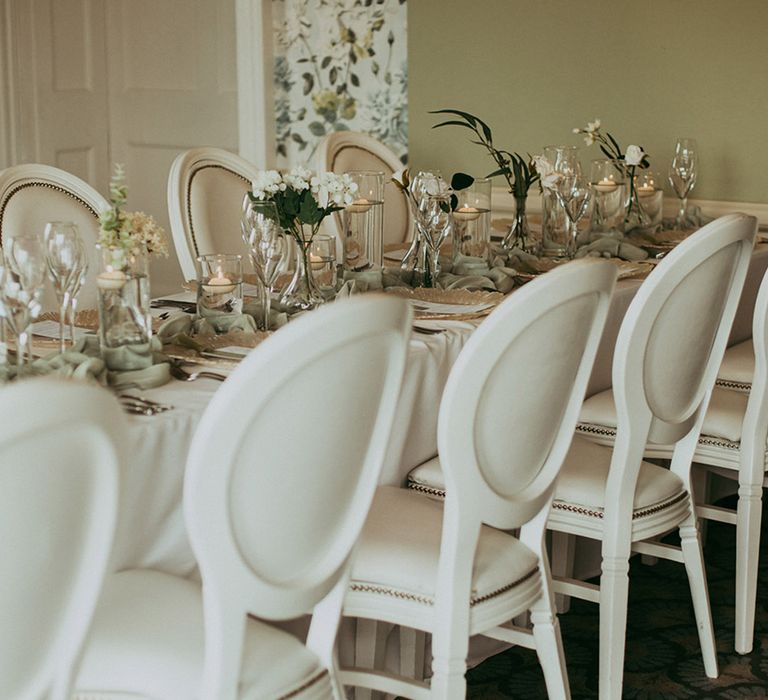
(339, 65)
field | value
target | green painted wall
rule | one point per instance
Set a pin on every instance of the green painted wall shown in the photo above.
(651, 70)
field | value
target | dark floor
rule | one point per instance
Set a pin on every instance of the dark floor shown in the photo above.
(663, 657)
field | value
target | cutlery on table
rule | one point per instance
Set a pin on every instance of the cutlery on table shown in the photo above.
(179, 372)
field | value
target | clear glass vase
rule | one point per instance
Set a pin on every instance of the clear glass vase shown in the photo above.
(125, 322)
(519, 235)
(302, 292)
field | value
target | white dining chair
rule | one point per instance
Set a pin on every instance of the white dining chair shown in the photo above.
(732, 444)
(344, 151)
(31, 195)
(665, 363)
(506, 420)
(58, 505)
(280, 476)
(206, 187)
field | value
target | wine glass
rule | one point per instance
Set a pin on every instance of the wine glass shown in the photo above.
(61, 257)
(570, 185)
(21, 290)
(80, 273)
(580, 195)
(682, 175)
(267, 246)
(435, 223)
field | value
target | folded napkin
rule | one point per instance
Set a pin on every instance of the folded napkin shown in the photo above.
(518, 259)
(612, 248)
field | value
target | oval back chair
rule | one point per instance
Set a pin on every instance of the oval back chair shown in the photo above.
(206, 187)
(31, 195)
(58, 505)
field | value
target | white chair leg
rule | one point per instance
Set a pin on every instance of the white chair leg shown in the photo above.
(697, 580)
(563, 549)
(749, 515)
(449, 664)
(549, 643)
(412, 643)
(370, 649)
(614, 596)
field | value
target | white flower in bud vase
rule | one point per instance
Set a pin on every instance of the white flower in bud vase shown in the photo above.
(634, 155)
(551, 180)
(542, 165)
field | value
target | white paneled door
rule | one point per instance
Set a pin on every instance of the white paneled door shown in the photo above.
(131, 81)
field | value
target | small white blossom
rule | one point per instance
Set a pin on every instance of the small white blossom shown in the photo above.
(266, 183)
(542, 165)
(551, 180)
(634, 155)
(592, 127)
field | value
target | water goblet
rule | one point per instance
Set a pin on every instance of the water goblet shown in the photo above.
(682, 176)
(20, 293)
(435, 222)
(267, 246)
(61, 257)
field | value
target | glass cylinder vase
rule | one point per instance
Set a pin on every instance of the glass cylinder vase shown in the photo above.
(363, 222)
(519, 235)
(472, 224)
(302, 292)
(125, 322)
(606, 178)
(555, 228)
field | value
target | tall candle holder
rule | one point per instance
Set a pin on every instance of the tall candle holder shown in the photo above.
(363, 222)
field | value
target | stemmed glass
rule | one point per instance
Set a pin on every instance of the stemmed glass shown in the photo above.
(62, 259)
(572, 192)
(81, 270)
(21, 289)
(682, 175)
(575, 206)
(267, 246)
(435, 222)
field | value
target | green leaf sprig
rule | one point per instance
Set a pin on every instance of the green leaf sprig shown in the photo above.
(520, 173)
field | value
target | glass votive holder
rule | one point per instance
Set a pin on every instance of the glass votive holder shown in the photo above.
(322, 260)
(606, 178)
(650, 196)
(220, 284)
(472, 223)
(363, 222)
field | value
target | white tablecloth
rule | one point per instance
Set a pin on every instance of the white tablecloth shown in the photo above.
(151, 529)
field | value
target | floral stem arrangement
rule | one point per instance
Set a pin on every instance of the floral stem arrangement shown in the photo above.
(128, 234)
(634, 157)
(303, 200)
(520, 173)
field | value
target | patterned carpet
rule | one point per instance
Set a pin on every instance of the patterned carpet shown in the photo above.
(663, 659)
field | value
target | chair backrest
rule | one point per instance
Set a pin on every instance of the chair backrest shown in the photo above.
(670, 346)
(205, 197)
(512, 399)
(343, 151)
(32, 195)
(58, 503)
(285, 461)
(754, 431)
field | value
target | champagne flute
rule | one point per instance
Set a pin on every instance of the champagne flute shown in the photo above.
(267, 246)
(61, 257)
(682, 175)
(23, 286)
(569, 186)
(435, 222)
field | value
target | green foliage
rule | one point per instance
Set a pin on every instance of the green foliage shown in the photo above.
(519, 172)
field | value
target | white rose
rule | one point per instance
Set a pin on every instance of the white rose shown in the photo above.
(542, 165)
(634, 155)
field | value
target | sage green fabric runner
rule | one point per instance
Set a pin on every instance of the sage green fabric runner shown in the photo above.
(607, 247)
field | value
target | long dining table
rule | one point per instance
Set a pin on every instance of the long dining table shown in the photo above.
(151, 532)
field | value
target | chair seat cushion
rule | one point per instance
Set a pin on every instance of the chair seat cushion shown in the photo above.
(427, 478)
(580, 488)
(400, 548)
(738, 367)
(723, 420)
(147, 638)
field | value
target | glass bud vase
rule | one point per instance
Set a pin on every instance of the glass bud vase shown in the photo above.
(125, 322)
(519, 234)
(302, 292)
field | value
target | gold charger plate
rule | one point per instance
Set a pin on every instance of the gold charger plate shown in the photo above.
(454, 297)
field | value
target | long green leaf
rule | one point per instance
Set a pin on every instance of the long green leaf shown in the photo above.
(460, 181)
(454, 123)
(471, 118)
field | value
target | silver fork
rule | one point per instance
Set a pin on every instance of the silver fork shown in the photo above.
(182, 374)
